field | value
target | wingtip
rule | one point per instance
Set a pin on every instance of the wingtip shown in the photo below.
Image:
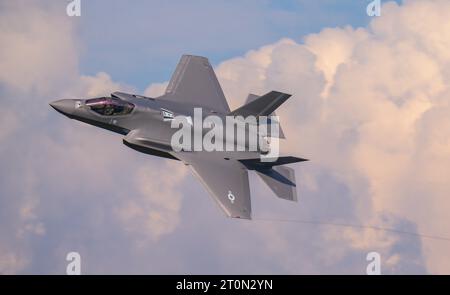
(280, 93)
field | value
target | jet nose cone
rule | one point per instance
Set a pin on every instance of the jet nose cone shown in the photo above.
(64, 106)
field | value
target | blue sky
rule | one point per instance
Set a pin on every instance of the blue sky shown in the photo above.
(141, 43)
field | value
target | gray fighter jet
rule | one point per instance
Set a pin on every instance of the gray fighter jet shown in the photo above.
(145, 123)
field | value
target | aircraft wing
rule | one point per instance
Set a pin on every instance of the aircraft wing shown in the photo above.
(225, 180)
(195, 82)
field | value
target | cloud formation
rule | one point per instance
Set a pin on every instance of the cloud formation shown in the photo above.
(370, 109)
(47, 169)
(370, 106)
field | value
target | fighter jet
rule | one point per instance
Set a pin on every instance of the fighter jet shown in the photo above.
(145, 124)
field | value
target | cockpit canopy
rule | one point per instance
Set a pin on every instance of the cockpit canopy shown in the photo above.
(108, 106)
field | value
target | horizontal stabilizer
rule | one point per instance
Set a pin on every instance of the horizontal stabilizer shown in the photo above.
(281, 181)
(262, 106)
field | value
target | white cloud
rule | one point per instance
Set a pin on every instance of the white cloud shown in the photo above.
(99, 85)
(38, 50)
(361, 110)
(156, 89)
(370, 109)
(39, 64)
(10, 263)
(155, 211)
